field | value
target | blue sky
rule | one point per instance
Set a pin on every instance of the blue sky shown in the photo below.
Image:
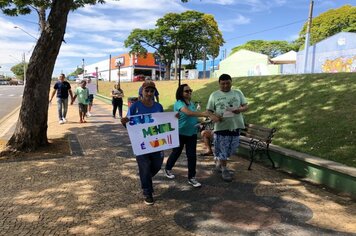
(95, 32)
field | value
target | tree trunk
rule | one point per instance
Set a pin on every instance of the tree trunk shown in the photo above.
(31, 128)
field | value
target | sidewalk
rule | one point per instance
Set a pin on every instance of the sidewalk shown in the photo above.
(91, 187)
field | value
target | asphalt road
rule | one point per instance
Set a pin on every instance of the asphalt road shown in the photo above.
(10, 98)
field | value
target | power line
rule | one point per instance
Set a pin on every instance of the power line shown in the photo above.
(262, 31)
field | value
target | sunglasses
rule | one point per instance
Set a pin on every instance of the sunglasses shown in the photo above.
(149, 90)
(188, 91)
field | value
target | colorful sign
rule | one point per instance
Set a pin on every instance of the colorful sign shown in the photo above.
(153, 132)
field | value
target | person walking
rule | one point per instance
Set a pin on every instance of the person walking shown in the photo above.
(92, 91)
(63, 90)
(148, 164)
(82, 92)
(229, 104)
(117, 94)
(188, 129)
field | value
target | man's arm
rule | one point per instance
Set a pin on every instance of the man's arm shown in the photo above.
(242, 108)
(70, 93)
(52, 95)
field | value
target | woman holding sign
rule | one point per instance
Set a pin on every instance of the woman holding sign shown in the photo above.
(188, 129)
(148, 164)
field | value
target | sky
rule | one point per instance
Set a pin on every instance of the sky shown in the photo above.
(95, 32)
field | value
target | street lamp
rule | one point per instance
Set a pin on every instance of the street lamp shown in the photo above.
(180, 52)
(17, 27)
(83, 67)
(97, 79)
(118, 65)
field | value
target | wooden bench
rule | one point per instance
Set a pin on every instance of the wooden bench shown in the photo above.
(257, 139)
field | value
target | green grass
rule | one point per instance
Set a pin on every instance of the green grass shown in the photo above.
(314, 114)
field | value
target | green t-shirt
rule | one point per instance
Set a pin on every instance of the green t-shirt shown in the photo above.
(187, 124)
(220, 102)
(82, 95)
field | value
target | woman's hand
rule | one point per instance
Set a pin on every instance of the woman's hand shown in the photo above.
(215, 118)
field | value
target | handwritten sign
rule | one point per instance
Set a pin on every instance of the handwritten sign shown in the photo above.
(153, 132)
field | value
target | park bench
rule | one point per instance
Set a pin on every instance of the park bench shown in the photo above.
(257, 139)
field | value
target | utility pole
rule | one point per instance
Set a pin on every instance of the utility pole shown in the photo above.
(307, 36)
(24, 68)
(97, 79)
(110, 68)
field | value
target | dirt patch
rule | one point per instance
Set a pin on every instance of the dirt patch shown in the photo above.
(57, 148)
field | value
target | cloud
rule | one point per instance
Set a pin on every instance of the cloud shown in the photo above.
(230, 25)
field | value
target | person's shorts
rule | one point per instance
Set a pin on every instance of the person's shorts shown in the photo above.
(83, 107)
(225, 146)
(91, 98)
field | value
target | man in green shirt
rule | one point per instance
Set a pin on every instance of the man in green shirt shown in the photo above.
(82, 93)
(228, 104)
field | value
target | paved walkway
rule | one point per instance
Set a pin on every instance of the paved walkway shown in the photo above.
(96, 191)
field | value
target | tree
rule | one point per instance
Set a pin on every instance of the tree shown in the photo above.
(270, 48)
(18, 70)
(197, 33)
(342, 19)
(31, 129)
(77, 72)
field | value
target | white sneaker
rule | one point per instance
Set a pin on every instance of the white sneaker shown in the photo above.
(169, 174)
(194, 183)
(64, 120)
(61, 122)
(88, 114)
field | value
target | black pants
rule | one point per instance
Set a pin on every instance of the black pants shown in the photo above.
(190, 143)
(148, 166)
(117, 103)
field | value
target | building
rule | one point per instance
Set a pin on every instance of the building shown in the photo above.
(334, 54)
(129, 65)
(287, 62)
(247, 63)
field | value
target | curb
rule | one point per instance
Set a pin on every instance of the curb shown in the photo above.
(10, 114)
(335, 176)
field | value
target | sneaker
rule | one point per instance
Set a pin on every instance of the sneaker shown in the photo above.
(88, 114)
(61, 122)
(149, 200)
(226, 176)
(64, 120)
(194, 183)
(169, 174)
(216, 170)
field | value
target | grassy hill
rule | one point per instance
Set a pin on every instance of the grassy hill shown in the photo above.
(314, 114)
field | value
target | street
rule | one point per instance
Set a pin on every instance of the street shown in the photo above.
(10, 98)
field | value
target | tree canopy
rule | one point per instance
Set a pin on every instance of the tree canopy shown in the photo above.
(271, 48)
(342, 19)
(196, 33)
(18, 70)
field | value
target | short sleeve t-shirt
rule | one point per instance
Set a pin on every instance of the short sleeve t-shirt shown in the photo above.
(187, 124)
(62, 89)
(138, 108)
(82, 94)
(220, 102)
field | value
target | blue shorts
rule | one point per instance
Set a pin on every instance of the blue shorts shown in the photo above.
(225, 146)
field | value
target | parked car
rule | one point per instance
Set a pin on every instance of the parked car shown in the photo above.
(13, 82)
(20, 82)
(138, 78)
